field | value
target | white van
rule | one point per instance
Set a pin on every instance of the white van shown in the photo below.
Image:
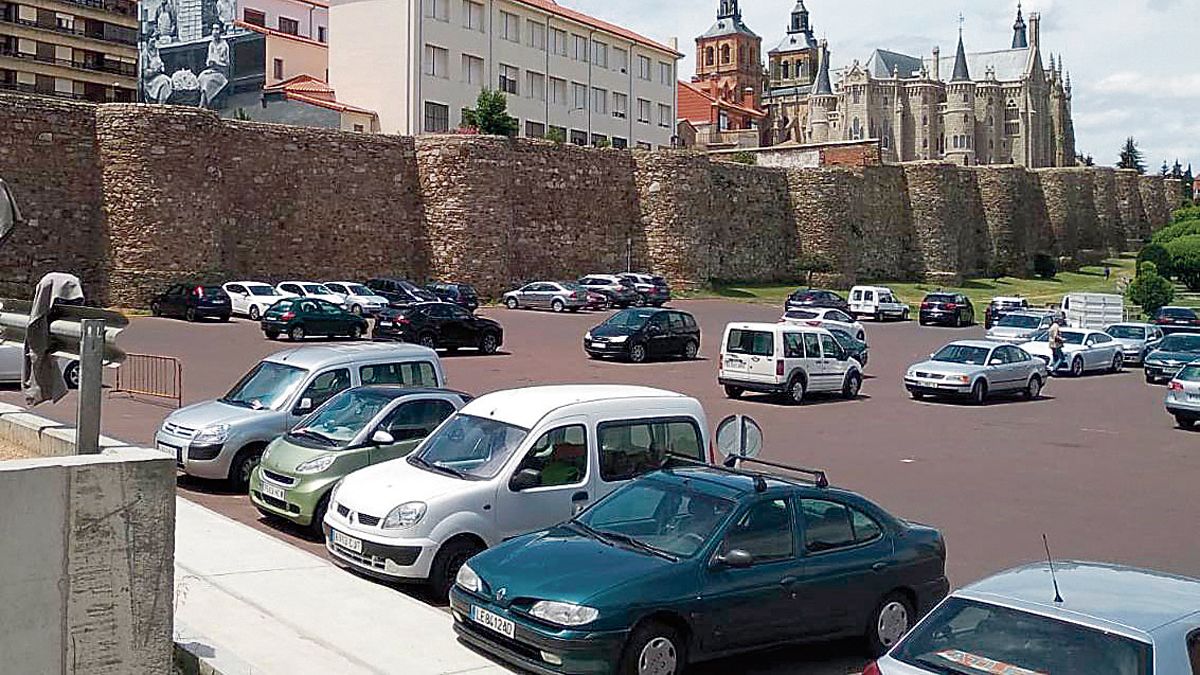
(508, 463)
(878, 302)
(786, 359)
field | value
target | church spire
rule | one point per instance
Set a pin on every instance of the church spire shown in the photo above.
(1020, 37)
(822, 85)
(728, 9)
(961, 72)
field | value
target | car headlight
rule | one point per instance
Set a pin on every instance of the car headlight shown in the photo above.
(315, 465)
(563, 613)
(587, 335)
(963, 379)
(214, 435)
(468, 579)
(405, 515)
(619, 339)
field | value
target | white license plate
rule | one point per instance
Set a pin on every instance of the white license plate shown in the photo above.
(497, 623)
(599, 345)
(1194, 397)
(274, 491)
(173, 451)
(347, 542)
(734, 364)
(385, 323)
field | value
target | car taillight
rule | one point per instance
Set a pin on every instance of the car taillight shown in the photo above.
(950, 306)
(779, 368)
(199, 291)
(1175, 385)
(287, 316)
(872, 669)
(813, 323)
(926, 305)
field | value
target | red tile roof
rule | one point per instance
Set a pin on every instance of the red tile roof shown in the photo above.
(308, 89)
(692, 100)
(568, 13)
(274, 33)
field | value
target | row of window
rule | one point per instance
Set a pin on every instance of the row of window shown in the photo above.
(437, 121)
(285, 24)
(748, 55)
(537, 35)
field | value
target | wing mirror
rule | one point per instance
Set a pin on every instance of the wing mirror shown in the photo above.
(304, 407)
(381, 437)
(525, 479)
(995, 362)
(736, 559)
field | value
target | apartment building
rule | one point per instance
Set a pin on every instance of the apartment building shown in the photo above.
(300, 18)
(81, 49)
(420, 63)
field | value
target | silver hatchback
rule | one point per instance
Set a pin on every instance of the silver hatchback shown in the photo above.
(1183, 396)
(553, 295)
(977, 369)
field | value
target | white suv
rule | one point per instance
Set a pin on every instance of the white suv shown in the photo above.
(786, 359)
(357, 298)
(251, 298)
(508, 463)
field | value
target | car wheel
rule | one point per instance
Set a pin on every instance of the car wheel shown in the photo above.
(1150, 379)
(427, 341)
(979, 392)
(224, 318)
(241, 468)
(1118, 363)
(272, 335)
(852, 386)
(654, 649)
(689, 350)
(862, 336)
(254, 313)
(890, 621)
(905, 316)
(71, 375)
(190, 314)
(1077, 367)
(733, 392)
(916, 395)
(557, 306)
(1034, 390)
(922, 322)
(489, 343)
(356, 332)
(511, 303)
(1184, 422)
(296, 333)
(446, 564)
(356, 310)
(318, 516)
(640, 302)
(795, 391)
(637, 353)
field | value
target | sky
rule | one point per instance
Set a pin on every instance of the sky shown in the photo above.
(1133, 63)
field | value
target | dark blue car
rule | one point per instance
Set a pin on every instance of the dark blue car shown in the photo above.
(697, 562)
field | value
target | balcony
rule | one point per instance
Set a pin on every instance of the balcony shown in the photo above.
(115, 68)
(122, 7)
(67, 31)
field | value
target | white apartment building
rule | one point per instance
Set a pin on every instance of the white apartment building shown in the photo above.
(421, 63)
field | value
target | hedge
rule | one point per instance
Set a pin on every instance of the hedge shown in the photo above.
(1185, 260)
(1186, 213)
(1183, 228)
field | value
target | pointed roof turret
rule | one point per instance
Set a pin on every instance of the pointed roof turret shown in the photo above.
(729, 21)
(822, 86)
(1020, 36)
(961, 72)
(799, 22)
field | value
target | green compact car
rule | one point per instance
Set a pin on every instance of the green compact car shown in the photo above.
(299, 318)
(357, 428)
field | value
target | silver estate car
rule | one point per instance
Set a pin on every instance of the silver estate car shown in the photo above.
(977, 369)
(1018, 327)
(1136, 339)
(1183, 396)
(558, 296)
(1104, 620)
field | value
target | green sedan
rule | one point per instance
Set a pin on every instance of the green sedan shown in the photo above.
(299, 318)
(357, 428)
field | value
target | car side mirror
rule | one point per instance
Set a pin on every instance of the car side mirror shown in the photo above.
(525, 479)
(736, 559)
(995, 362)
(304, 407)
(381, 437)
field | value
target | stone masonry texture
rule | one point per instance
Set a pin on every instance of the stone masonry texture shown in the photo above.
(134, 197)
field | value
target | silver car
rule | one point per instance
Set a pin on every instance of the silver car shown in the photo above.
(1018, 327)
(977, 369)
(1084, 351)
(1136, 339)
(1078, 617)
(1183, 396)
(12, 362)
(557, 296)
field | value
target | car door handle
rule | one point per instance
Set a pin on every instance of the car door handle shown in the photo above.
(579, 497)
(879, 566)
(788, 581)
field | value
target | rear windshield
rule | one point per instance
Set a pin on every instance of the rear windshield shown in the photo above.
(801, 314)
(1019, 321)
(1178, 313)
(939, 298)
(752, 342)
(971, 638)
(211, 291)
(1127, 332)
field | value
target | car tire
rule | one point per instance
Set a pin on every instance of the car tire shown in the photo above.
(356, 310)
(905, 316)
(272, 335)
(654, 647)
(1185, 422)
(690, 350)
(356, 332)
(922, 322)
(255, 314)
(1033, 391)
(489, 343)
(733, 392)
(71, 375)
(862, 336)
(190, 315)
(241, 467)
(1077, 367)
(296, 333)
(1118, 363)
(557, 306)
(1150, 379)
(446, 564)
(889, 622)
(640, 302)
(428, 341)
(637, 353)
(318, 517)
(511, 303)
(979, 392)
(795, 390)
(852, 386)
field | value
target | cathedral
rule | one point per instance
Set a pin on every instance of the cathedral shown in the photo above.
(994, 107)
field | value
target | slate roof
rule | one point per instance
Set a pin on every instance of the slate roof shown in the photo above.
(1010, 64)
(729, 26)
(794, 42)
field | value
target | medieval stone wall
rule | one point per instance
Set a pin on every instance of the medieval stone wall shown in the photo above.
(887, 249)
(949, 220)
(753, 235)
(827, 212)
(1108, 212)
(1129, 205)
(1157, 212)
(1014, 213)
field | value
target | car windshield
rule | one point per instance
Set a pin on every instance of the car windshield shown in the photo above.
(572, 286)
(963, 636)
(752, 342)
(1180, 343)
(358, 289)
(316, 289)
(844, 338)
(965, 354)
(256, 289)
(267, 385)
(1068, 337)
(335, 424)
(1019, 321)
(470, 447)
(1127, 332)
(630, 318)
(1177, 313)
(659, 516)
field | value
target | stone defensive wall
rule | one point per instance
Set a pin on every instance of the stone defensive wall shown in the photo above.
(132, 197)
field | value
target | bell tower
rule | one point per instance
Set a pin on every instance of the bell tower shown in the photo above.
(729, 59)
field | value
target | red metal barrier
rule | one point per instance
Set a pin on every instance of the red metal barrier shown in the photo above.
(148, 375)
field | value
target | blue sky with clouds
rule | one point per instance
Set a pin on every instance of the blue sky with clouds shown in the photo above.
(1133, 62)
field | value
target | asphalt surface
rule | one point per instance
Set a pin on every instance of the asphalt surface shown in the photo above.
(1097, 465)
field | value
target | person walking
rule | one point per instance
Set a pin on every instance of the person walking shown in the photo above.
(1056, 347)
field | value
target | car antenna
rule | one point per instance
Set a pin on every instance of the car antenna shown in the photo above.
(1057, 596)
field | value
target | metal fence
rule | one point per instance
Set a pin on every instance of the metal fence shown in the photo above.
(154, 376)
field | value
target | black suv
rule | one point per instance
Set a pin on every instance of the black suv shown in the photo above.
(814, 297)
(947, 309)
(439, 325)
(400, 292)
(192, 302)
(998, 308)
(462, 295)
(645, 333)
(653, 290)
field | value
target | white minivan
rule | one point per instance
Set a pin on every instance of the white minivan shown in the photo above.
(786, 359)
(508, 463)
(878, 302)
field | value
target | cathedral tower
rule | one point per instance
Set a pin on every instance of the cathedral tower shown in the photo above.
(728, 59)
(959, 118)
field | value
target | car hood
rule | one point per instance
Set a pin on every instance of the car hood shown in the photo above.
(562, 564)
(283, 456)
(1010, 331)
(1163, 355)
(366, 299)
(335, 299)
(605, 330)
(382, 487)
(1130, 343)
(945, 368)
(1043, 348)
(209, 413)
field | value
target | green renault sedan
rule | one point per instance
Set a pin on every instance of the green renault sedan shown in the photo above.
(298, 318)
(357, 428)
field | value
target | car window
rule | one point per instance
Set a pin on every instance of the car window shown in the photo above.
(801, 314)
(326, 385)
(1016, 355)
(415, 420)
(559, 457)
(308, 307)
(856, 296)
(329, 308)
(235, 288)
(630, 449)
(1101, 338)
(410, 374)
(689, 321)
(827, 525)
(830, 347)
(752, 342)
(437, 311)
(456, 312)
(835, 315)
(765, 532)
(676, 321)
(659, 321)
(793, 346)
(812, 345)
(865, 527)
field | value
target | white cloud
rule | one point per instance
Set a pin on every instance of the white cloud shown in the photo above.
(1182, 86)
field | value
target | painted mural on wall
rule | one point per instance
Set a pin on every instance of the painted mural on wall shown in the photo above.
(187, 51)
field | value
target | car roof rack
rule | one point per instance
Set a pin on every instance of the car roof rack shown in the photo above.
(819, 478)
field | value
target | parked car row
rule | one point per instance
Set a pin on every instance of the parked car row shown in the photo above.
(594, 291)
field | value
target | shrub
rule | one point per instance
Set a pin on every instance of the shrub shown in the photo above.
(557, 136)
(1184, 254)
(744, 157)
(1157, 254)
(1150, 290)
(1045, 266)
(1186, 213)
(490, 115)
(1171, 232)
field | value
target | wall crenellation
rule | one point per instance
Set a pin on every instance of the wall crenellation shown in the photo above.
(134, 197)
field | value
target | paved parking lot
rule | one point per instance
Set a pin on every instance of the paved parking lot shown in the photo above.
(1097, 465)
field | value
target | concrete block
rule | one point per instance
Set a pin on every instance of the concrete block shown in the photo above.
(25, 430)
(60, 441)
(8, 409)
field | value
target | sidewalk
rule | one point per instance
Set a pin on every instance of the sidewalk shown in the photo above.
(251, 604)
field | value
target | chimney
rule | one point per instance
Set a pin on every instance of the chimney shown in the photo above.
(937, 64)
(1035, 31)
(673, 43)
(748, 98)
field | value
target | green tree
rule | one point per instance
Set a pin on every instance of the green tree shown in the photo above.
(1156, 253)
(556, 135)
(1045, 266)
(490, 115)
(1185, 260)
(1084, 160)
(1131, 157)
(1165, 170)
(1149, 290)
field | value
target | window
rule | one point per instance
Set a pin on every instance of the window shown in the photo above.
(725, 54)
(325, 385)
(437, 118)
(411, 373)
(642, 145)
(620, 143)
(437, 9)
(473, 15)
(436, 61)
(599, 101)
(536, 86)
(664, 116)
(830, 525)
(508, 79)
(620, 59)
(630, 449)
(558, 132)
(665, 73)
(765, 532)
(277, 69)
(559, 457)
(254, 17)
(578, 137)
(708, 59)
(812, 345)
(599, 140)
(579, 96)
(535, 130)
(558, 91)
(643, 111)
(599, 54)
(620, 107)
(537, 34)
(830, 347)
(472, 69)
(289, 26)
(510, 27)
(644, 67)
(751, 342)
(793, 346)
(581, 47)
(322, 34)
(358, 128)
(417, 419)
(558, 41)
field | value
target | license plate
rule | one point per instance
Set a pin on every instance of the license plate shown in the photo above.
(1194, 397)
(385, 323)
(274, 491)
(497, 623)
(173, 451)
(734, 364)
(599, 345)
(347, 542)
